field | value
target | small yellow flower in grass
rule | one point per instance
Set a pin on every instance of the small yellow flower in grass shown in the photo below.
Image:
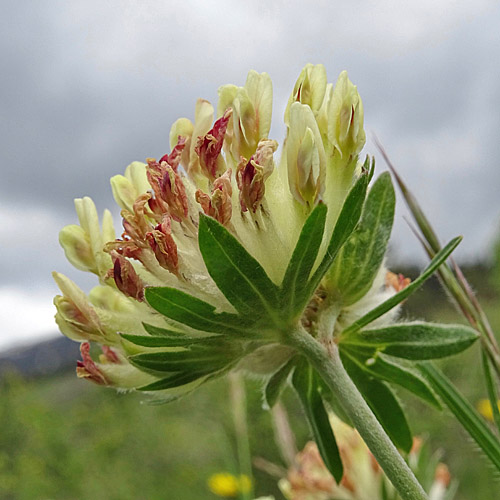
(227, 485)
(485, 409)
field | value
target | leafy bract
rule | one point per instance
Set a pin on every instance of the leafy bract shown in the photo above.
(394, 371)
(304, 382)
(303, 257)
(237, 274)
(360, 258)
(383, 403)
(415, 340)
(277, 383)
(191, 311)
(346, 222)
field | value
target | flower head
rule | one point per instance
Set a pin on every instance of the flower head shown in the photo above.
(218, 198)
(225, 249)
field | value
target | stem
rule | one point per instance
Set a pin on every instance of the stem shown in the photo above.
(283, 434)
(329, 366)
(239, 404)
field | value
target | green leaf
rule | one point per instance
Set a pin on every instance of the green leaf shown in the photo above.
(303, 257)
(464, 412)
(415, 340)
(305, 383)
(346, 222)
(277, 383)
(174, 380)
(379, 366)
(359, 260)
(332, 401)
(149, 341)
(192, 311)
(197, 358)
(383, 403)
(406, 292)
(237, 274)
(156, 331)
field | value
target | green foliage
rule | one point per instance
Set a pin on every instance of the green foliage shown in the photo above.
(415, 340)
(302, 260)
(305, 382)
(277, 383)
(163, 341)
(236, 273)
(191, 311)
(345, 225)
(464, 412)
(65, 439)
(394, 371)
(360, 258)
(383, 403)
(406, 292)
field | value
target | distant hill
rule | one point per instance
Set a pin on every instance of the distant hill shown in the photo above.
(44, 358)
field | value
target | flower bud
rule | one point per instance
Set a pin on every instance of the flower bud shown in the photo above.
(209, 146)
(163, 245)
(76, 245)
(309, 89)
(251, 175)
(75, 315)
(182, 128)
(126, 188)
(252, 109)
(345, 118)
(95, 238)
(203, 120)
(88, 369)
(125, 277)
(305, 155)
(219, 204)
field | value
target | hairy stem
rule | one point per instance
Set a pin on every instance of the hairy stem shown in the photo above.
(329, 366)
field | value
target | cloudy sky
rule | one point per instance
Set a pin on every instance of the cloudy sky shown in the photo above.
(88, 86)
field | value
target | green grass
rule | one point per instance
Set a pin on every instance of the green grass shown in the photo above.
(63, 438)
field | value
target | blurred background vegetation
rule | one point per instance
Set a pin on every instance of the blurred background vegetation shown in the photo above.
(63, 438)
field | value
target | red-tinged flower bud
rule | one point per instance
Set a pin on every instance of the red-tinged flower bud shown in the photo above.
(169, 190)
(109, 356)
(174, 158)
(396, 281)
(125, 277)
(88, 369)
(174, 194)
(163, 245)
(136, 224)
(208, 147)
(219, 205)
(251, 175)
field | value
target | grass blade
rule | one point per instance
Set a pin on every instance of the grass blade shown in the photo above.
(492, 390)
(406, 292)
(464, 412)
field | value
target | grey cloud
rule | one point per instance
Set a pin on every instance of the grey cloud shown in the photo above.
(90, 88)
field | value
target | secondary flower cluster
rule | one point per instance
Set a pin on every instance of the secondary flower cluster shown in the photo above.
(309, 479)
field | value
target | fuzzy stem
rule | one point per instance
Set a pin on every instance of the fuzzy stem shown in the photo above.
(328, 364)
